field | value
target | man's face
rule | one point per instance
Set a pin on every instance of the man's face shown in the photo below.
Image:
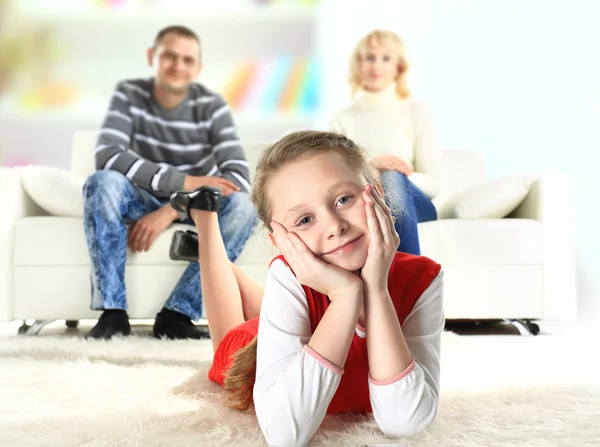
(176, 62)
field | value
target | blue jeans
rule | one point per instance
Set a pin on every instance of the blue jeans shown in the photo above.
(111, 203)
(409, 206)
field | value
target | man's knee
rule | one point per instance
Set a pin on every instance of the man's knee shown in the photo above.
(237, 219)
(240, 205)
(106, 185)
(105, 180)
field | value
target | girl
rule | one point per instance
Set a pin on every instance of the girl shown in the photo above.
(395, 129)
(347, 324)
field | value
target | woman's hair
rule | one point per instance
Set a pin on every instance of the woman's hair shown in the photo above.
(300, 145)
(394, 43)
(240, 378)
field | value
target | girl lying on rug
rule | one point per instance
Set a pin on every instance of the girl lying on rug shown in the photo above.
(345, 323)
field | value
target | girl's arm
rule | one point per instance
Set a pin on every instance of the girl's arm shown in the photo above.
(427, 156)
(404, 363)
(297, 373)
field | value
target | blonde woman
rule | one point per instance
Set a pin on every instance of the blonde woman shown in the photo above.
(395, 129)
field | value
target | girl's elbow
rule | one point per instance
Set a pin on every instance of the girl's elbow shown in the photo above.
(281, 435)
(286, 440)
(406, 427)
(282, 432)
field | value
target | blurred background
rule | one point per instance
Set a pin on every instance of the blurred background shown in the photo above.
(62, 58)
(517, 80)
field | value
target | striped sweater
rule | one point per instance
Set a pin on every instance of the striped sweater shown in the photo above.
(155, 148)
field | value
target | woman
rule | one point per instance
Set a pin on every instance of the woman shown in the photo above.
(395, 129)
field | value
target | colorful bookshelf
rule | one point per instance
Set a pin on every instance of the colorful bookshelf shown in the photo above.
(281, 85)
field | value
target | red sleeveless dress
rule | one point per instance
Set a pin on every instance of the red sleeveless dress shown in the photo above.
(409, 277)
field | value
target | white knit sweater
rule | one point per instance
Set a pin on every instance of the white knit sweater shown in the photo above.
(384, 124)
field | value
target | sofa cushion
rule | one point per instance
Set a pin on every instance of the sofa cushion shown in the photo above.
(57, 192)
(52, 240)
(259, 251)
(61, 241)
(482, 241)
(487, 200)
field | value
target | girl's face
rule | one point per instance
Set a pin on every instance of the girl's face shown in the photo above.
(320, 199)
(378, 67)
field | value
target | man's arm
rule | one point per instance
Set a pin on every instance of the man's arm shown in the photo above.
(113, 150)
(226, 146)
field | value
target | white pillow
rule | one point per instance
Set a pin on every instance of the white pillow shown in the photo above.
(489, 200)
(57, 192)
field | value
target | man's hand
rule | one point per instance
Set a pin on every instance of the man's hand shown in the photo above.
(144, 231)
(391, 163)
(194, 182)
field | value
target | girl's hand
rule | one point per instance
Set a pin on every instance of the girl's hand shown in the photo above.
(311, 271)
(383, 243)
(391, 163)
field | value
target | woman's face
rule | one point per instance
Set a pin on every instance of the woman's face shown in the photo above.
(378, 67)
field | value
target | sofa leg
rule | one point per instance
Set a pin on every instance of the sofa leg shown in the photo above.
(35, 328)
(72, 324)
(525, 327)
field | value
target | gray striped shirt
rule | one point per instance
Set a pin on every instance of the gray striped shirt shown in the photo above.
(155, 148)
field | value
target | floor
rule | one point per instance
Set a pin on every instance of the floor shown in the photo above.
(500, 389)
(560, 352)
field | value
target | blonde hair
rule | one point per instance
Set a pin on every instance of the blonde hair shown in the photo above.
(240, 378)
(299, 145)
(384, 38)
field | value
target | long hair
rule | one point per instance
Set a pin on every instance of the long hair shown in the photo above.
(240, 378)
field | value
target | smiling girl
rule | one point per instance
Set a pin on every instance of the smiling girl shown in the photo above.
(345, 323)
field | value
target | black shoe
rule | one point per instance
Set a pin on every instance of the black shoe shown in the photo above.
(184, 246)
(206, 198)
(175, 325)
(111, 322)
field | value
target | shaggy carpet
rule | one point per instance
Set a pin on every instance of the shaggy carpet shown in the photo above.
(65, 391)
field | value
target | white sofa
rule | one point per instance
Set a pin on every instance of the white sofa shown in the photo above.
(513, 268)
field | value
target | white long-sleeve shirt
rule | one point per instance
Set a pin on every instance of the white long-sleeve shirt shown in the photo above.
(294, 384)
(384, 124)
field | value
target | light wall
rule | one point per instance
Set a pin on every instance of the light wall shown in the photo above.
(66, 56)
(515, 79)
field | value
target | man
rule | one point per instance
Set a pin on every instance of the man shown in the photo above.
(161, 135)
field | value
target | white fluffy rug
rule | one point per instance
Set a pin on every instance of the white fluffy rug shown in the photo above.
(64, 391)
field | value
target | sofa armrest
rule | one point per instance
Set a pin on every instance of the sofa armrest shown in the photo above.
(15, 200)
(550, 201)
(15, 204)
